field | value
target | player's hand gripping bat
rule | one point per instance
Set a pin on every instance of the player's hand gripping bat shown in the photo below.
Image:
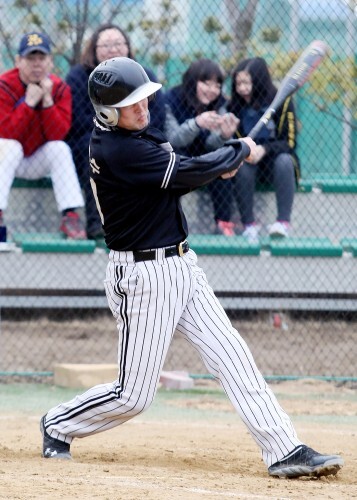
(296, 77)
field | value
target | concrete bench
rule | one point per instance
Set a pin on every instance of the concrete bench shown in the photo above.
(321, 209)
(291, 274)
(202, 244)
(32, 208)
(330, 184)
(324, 206)
(263, 275)
(307, 277)
(43, 183)
(290, 247)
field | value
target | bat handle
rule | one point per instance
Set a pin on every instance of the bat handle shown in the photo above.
(255, 130)
(262, 121)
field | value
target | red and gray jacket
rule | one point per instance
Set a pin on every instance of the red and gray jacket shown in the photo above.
(33, 127)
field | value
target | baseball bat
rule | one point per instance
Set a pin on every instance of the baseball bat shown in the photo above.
(296, 77)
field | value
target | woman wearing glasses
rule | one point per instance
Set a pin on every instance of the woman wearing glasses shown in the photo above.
(106, 42)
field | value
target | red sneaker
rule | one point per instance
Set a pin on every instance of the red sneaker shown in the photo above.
(72, 226)
(225, 227)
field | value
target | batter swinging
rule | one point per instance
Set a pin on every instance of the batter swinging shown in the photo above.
(154, 285)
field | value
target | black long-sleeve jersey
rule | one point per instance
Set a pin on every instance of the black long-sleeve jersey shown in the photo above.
(137, 180)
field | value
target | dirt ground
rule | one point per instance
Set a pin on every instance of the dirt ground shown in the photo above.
(188, 445)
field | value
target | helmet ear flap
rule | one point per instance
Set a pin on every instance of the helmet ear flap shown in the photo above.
(107, 115)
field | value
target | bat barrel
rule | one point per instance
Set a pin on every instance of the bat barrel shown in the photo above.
(295, 78)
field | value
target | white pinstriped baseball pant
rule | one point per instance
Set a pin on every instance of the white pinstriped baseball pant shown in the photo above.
(150, 300)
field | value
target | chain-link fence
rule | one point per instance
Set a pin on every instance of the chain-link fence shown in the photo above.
(293, 297)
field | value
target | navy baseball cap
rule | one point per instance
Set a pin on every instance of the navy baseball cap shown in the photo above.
(33, 42)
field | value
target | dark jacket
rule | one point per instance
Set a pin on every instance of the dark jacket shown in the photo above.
(33, 127)
(278, 136)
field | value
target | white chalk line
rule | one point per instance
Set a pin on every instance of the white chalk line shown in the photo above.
(142, 484)
(224, 494)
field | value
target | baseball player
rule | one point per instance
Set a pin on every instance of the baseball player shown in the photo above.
(154, 285)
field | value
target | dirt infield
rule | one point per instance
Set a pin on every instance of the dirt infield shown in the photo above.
(188, 445)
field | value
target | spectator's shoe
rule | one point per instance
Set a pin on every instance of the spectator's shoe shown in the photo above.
(72, 226)
(53, 448)
(251, 232)
(280, 229)
(225, 227)
(304, 461)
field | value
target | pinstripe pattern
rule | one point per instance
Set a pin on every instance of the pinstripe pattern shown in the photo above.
(149, 301)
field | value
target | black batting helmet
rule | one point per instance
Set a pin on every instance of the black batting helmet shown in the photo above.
(116, 83)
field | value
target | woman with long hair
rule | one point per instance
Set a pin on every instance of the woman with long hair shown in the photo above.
(277, 164)
(106, 42)
(197, 122)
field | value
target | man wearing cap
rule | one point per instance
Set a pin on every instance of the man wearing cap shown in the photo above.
(36, 116)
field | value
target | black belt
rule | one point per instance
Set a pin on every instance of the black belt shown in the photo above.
(179, 249)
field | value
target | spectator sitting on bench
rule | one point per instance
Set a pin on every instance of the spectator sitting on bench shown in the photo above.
(278, 165)
(35, 117)
(107, 41)
(197, 123)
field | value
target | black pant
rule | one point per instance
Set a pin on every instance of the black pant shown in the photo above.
(222, 197)
(279, 172)
(81, 158)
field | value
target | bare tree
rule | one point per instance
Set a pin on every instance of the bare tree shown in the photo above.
(67, 22)
(241, 20)
(74, 27)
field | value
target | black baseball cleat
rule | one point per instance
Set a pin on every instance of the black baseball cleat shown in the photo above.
(53, 448)
(304, 461)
